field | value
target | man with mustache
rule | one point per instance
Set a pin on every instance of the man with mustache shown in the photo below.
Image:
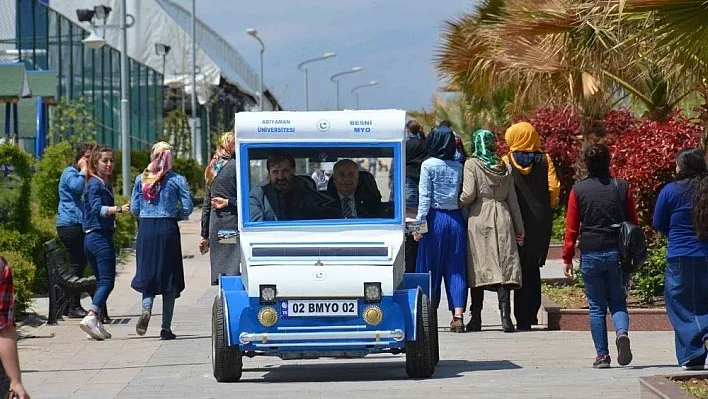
(286, 197)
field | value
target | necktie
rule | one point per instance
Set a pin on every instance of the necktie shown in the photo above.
(347, 207)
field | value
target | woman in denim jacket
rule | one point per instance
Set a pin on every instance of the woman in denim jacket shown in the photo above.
(99, 225)
(160, 199)
(442, 250)
(70, 215)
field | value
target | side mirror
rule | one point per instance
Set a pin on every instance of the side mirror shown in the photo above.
(227, 236)
(413, 226)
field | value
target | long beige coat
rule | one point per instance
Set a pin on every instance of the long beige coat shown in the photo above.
(493, 221)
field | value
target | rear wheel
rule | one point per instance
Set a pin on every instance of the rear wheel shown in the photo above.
(226, 360)
(419, 353)
(434, 335)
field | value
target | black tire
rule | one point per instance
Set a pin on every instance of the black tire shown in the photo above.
(434, 335)
(226, 360)
(419, 353)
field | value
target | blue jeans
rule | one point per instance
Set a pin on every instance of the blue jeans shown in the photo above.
(101, 255)
(168, 307)
(605, 288)
(411, 192)
(687, 305)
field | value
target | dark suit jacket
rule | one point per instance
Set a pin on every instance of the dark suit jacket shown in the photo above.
(307, 204)
(364, 208)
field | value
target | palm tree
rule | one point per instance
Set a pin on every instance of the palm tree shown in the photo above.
(680, 36)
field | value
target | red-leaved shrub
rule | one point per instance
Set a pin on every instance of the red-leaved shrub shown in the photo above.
(646, 157)
(643, 150)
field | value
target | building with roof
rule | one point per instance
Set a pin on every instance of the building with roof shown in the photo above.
(44, 62)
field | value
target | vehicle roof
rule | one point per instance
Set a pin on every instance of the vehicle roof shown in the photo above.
(359, 125)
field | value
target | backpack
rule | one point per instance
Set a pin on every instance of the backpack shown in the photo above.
(632, 241)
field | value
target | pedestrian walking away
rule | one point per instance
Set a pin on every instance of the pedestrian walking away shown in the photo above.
(441, 251)
(594, 211)
(537, 190)
(494, 228)
(681, 213)
(160, 199)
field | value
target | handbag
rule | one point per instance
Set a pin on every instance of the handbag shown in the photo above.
(631, 240)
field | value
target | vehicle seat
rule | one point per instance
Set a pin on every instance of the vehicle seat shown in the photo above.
(308, 180)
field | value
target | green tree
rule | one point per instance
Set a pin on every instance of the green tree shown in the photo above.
(72, 120)
(177, 133)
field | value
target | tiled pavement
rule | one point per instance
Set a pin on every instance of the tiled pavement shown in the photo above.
(59, 362)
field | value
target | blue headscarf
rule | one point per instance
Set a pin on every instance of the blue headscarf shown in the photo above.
(441, 144)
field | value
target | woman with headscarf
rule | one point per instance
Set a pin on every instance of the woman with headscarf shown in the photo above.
(416, 153)
(220, 210)
(160, 199)
(441, 251)
(537, 188)
(494, 228)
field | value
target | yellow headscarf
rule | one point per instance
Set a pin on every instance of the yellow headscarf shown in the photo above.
(523, 137)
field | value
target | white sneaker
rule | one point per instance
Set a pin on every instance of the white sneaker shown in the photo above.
(106, 334)
(90, 325)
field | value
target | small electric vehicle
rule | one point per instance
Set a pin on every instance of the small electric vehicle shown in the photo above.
(316, 283)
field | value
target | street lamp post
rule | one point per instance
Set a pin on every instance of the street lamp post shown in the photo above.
(196, 137)
(299, 68)
(261, 95)
(95, 42)
(356, 88)
(336, 75)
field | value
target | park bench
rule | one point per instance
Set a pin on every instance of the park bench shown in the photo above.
(62, 284)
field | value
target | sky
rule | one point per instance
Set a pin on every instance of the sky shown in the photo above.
(392, 40)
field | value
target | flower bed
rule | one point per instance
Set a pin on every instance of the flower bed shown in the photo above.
(566, 308)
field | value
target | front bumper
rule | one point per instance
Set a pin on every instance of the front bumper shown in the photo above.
(323, 338)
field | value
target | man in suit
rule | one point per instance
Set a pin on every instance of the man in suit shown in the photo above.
(286, 196)
(355, 199)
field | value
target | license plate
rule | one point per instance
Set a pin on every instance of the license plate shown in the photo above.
(312, 308)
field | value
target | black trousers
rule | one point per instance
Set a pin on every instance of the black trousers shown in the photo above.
(73, 239)
(411, 253)
(477, 296)
(527, 299)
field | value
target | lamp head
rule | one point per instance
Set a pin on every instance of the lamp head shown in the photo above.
(94, 41)
(329, 55)
(373, 83)
(162, 49)
(252, 32)
(85, 15)
(357, 69)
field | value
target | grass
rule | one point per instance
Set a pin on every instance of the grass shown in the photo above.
(697, 387)
(565, 296)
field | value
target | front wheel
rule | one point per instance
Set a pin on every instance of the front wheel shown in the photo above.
(226, 360)
(420, 362)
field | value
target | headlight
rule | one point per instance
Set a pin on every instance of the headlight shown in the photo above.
(372, 292)
(267, 294)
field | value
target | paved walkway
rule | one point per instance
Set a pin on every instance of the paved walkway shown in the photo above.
(59, 362)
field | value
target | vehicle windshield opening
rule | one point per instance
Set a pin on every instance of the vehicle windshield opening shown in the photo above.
(332, 182)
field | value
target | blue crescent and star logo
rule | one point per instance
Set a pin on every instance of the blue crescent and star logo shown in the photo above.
(319, 275)
(323, 125)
